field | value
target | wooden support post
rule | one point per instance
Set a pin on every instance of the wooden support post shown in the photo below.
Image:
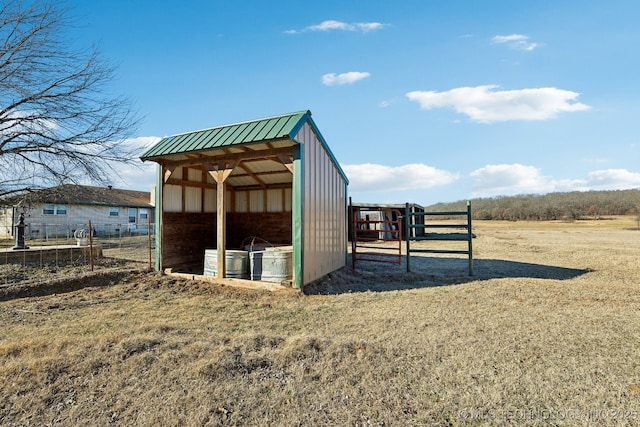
(220, 173)
(221, 231)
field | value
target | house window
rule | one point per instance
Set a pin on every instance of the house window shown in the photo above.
(54, 210)
(133, 212)
(113, 211)
(144, 214)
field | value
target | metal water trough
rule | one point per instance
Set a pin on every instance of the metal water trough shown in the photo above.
(236, 263)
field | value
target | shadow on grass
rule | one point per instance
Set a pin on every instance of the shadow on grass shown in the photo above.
(431, 272)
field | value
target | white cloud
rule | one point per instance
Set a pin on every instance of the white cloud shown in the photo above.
(333, 25)
(142, 176)
(514, 179)
(373, 177)
(333, 79)
(613, 179)
(516, 41)
(483, 104)
(365, 27)
(18, 121)
(143, 143)
(494, 180)
(511, 38)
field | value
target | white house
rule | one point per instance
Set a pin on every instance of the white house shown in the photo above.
(58, 211)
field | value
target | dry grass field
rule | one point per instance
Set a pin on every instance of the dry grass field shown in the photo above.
(546, 332)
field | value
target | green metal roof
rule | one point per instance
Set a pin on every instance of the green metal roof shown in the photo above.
(262, 130)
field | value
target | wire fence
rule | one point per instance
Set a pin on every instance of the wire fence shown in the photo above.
(84, 244)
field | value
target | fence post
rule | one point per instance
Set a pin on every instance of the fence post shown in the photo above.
(407, 219)
(149, 234)
(90, 245)
(470, 238)
(354, 234)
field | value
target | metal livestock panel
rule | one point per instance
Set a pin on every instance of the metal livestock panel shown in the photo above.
(324, 211)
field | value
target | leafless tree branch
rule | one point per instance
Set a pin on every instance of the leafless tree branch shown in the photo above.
(58, 121)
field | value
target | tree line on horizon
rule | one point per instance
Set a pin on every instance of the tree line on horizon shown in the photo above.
(552, 206)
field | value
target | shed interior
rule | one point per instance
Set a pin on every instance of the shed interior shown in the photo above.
(257, 182)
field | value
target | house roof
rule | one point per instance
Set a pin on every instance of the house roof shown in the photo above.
(262, 130)
(85, 195)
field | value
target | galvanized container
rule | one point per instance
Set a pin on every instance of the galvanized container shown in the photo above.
(271, 265)
(236, 263)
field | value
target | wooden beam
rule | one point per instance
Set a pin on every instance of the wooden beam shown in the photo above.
(286, 161)
(275, 172)
(257, 187)
(220, 170)
(167, 173)
(252, 175)
(185, 183)
(252, 154)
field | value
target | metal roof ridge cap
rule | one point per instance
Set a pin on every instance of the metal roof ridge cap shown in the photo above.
(303, 112)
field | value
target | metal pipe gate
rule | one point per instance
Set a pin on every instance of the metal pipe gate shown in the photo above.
(381, 230)
(466, 236)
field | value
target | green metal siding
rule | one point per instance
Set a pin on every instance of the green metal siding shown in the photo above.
(297, 207)
(159, 217)
(271, 128)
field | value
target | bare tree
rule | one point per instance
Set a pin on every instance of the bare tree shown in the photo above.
(58, 121)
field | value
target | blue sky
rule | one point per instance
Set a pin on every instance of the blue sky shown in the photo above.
(420, 101)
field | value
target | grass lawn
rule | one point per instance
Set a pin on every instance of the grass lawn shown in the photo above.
(546, 332)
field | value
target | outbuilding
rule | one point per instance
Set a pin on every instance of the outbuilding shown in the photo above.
(273, 179)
